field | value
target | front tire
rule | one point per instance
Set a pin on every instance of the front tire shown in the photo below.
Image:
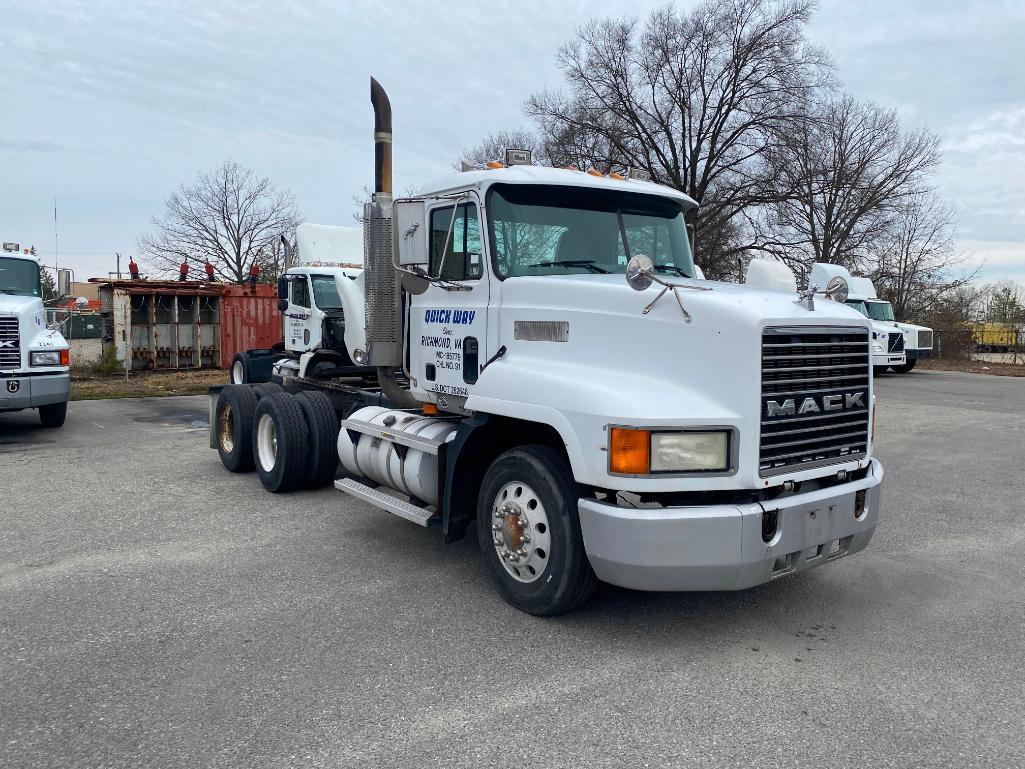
(53, 415)
(528, 531)
(879, 370)
(905, 368)
(280, 442)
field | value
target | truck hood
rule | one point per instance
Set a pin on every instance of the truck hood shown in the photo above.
(619, 366)
(19, 305)
(707, 301)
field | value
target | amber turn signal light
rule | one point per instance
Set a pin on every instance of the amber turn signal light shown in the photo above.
(629, 451)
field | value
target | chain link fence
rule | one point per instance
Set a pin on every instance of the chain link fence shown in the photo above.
(84, 331)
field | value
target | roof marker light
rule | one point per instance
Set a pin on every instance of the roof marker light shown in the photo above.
(614, 175)
(494, 164)
(518, 157)
(594, 171)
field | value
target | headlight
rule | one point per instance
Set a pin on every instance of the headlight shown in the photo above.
(47, 358)
(878, 348)
(679, 452)
(640, 452)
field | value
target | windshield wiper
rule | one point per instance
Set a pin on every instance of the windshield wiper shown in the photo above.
(671, 268)
(587, 264)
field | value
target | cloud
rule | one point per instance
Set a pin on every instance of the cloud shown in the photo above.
(31, 145)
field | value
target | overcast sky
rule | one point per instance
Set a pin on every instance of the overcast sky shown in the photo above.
(109, 106)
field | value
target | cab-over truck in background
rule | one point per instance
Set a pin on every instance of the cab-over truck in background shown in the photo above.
(547, 368)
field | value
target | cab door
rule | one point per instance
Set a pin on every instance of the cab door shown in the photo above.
(448, 322)
(302, 326)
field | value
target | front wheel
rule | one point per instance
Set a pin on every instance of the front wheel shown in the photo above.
(905, 368)
(528, 531)
(879, 370)
(54, 414)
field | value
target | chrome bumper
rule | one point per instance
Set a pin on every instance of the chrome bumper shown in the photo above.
(720, 547)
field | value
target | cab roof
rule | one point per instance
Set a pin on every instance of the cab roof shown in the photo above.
(523, 174)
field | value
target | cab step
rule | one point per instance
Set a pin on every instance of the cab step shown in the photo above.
(418, 515)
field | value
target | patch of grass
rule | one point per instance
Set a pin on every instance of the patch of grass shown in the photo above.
(145, 384)
(972, 367)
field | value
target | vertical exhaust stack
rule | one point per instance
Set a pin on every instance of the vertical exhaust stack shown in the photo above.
(382, 141)
(383, 294)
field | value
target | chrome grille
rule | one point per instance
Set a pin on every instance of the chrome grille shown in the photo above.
(10, 344)
(896, 341)
(925, 339)
(815, 397)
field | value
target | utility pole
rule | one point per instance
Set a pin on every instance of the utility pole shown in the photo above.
(56, 258)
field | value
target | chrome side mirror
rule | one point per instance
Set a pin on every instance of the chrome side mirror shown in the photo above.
(638, 272)
(837, 289)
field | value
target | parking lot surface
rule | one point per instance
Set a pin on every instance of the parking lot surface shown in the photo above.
(158, 611)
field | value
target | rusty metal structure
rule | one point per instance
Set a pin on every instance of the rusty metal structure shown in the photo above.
(155, 324)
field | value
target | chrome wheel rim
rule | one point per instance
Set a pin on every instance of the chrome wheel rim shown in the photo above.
(267, 442)
(520, 532)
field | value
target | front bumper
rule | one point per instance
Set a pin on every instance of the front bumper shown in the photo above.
(29, 392)
(889, 359)
(720, 547)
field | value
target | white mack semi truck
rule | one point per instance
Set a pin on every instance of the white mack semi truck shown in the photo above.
(547, 368)
(887, 338)
(917, 339)
(34, 359)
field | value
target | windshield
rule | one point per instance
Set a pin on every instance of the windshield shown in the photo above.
(553, 230)
(858, 305)
(325, 292)
(880, 310)
(20, 277)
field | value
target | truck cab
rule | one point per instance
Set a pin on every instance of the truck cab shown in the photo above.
(685, 424)
(320, 289)
(34, 358)
(887, 338)
(917, 339)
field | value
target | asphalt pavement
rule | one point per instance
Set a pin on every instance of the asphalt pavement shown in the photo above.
(158, 611)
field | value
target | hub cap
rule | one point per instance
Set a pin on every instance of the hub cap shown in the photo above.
(520, 531)
(267, 442)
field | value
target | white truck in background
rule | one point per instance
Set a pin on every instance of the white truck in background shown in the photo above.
(548, 369)
(887, 339)
(918, 340)
(321, 285)
(34, 358)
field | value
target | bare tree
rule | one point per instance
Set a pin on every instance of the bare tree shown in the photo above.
(840, 180)
(230, 216)
(915, 258)
(694, 98)
(493, 147)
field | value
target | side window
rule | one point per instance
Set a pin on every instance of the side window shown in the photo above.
(300, 292)
(462, 259)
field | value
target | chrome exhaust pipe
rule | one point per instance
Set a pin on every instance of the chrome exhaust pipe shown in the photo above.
(383, 293)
